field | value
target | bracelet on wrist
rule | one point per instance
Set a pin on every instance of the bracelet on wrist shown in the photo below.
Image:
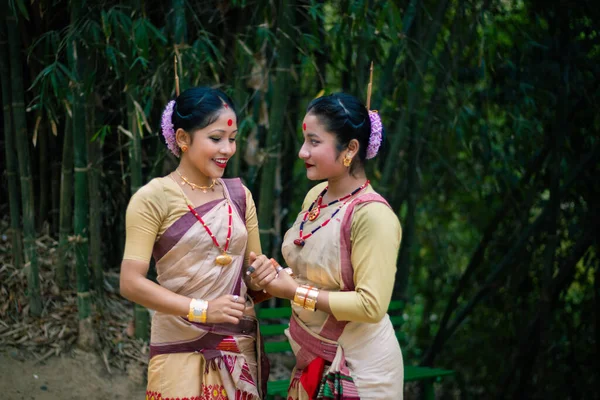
(306, 297)
(198, 311)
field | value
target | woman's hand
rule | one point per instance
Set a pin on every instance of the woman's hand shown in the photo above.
(226, 309)
(284, 286)
(262, 271)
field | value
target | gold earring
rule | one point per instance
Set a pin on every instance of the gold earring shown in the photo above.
(347, 159)
(184, 148)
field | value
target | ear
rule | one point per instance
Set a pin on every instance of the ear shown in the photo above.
(353, 147)
(182, 138)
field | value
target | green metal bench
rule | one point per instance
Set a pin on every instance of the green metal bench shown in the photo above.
(279, 388)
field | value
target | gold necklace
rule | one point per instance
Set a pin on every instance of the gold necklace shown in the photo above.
(194, 186)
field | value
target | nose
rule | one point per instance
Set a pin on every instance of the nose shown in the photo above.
(303, 153)
(228, 148)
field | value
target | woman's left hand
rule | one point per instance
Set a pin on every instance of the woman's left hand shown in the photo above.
(261, 271)
(284, 286)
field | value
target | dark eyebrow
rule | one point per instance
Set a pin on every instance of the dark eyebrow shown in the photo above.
(312, 135)
(220, 131)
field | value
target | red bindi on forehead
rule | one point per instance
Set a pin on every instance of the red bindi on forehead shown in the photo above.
(304, 126)
(229, 122)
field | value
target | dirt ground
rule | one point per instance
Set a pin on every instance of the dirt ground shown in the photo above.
(77, 376)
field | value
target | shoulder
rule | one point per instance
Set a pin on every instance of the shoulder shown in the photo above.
(312, 194)
(151, 194)
(236, 187)
(153, 189)
(376, 218)
(375, 210)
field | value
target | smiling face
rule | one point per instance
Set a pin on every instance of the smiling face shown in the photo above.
(319, 151)
(212, 146)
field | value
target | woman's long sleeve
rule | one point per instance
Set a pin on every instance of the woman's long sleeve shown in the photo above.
(375, 238)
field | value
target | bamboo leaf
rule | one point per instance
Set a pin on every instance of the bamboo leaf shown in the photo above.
(102, 133)
(142, 117)
(36, 129)
(125, 131)
(139, 60)
(106, 27)
(21, 6)
(43, 73)
(158, 34)
(245, 47)
(66, 71)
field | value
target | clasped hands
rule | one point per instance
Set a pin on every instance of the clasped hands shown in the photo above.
(265, 275)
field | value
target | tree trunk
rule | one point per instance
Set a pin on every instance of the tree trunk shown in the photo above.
(55, 185)
(66, 206)
(11, 157)
(44, 176)
(95, 193)
(86, 337)
(279, 101)
(22, 142)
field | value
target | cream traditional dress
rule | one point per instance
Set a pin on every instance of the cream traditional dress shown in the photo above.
(192, 360)
(354, 353)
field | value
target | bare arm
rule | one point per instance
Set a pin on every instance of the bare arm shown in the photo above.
(141, 290)
(136, 287)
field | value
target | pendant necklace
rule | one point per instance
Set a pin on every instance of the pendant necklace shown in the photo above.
(224, 259)
(314, 211)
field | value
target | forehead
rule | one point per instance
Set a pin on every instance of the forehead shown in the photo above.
(311, 126)
(225, 121)
(225, 114)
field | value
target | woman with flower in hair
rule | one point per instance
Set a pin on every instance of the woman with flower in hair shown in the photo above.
(202, 231)
(342, 251)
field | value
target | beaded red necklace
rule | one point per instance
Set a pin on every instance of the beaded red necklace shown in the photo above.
(224, 259)
(314, 211)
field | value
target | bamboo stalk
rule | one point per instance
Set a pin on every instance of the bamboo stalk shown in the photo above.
(279, 101)
(11, 158)
(95, 196)
(55, 185)
(66, 205)
(27, 193)
(86, 338)
(44, 176)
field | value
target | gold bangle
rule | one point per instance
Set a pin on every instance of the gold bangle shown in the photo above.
(198, 311)
(311, 299)
(300, 296)
(306, 297)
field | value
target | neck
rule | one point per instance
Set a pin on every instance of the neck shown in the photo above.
(342, 185)
(192, 174)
